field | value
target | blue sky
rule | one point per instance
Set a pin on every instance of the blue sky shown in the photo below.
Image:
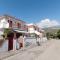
(31, 10)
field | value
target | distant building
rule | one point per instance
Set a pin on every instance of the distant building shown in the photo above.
(34, 30)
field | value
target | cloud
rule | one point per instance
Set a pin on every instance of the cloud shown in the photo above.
(47, 23)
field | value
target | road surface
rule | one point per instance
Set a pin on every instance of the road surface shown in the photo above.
(50, 52)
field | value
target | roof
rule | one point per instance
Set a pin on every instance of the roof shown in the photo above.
(5, 15)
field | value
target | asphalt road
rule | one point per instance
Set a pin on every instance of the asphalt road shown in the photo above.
(49, 51)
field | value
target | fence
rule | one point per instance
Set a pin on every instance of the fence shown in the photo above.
(33, 41)
(28, 41)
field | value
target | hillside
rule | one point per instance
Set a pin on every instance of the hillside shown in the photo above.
(52, 29)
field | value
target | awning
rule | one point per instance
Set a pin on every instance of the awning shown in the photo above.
(35, 32)
(20, 31)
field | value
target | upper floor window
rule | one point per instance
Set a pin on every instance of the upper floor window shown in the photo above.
(25, 27)
(10, 23)
(35, 28)
(18, 25)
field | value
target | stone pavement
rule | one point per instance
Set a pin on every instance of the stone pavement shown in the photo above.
(32, 53)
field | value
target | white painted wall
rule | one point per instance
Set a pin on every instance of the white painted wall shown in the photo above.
(31, 30)
(4, 23)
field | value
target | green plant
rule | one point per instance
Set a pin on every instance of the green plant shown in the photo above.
(6, 31)
(58, 34)
(47, 35)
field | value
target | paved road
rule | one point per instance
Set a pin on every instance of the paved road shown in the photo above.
(50, 51)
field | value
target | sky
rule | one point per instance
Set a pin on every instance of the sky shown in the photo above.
(33, 11)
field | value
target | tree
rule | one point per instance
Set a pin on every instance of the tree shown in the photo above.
(47, 35)
(50, 35)
(58, 34)
(6, 31)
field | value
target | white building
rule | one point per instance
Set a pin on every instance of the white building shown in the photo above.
(34, 29)
(16, 25)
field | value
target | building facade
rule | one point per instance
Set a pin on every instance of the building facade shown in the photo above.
(13, 22)
(19, 28)
(34, 30)
(16, 25)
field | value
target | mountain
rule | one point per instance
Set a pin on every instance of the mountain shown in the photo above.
(53, 29)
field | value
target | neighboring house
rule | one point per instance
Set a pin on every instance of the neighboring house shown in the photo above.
(36, 33)
(34, 30)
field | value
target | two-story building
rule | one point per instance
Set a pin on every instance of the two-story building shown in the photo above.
(17, 26)
(34, 30)
(12, 22)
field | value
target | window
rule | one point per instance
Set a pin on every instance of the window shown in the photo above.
(35, 28)
(18, 25)
(10, 23)
(25, 27)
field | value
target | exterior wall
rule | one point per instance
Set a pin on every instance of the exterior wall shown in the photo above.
(35, 29)
(14, 23)
(31, 29)
(4, 47)
(4, 23)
